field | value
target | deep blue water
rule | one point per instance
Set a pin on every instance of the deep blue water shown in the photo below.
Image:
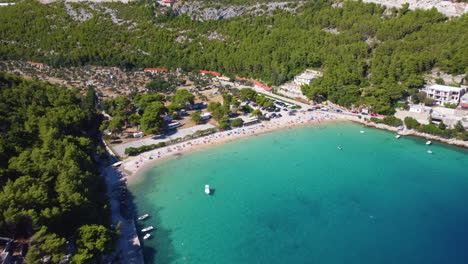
(293, 197)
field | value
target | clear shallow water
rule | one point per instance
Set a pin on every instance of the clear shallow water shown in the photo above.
(293, 197)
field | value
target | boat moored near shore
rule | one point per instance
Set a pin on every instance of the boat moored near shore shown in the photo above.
(143, 217)
(428, 142)
(147, 229)
(147, 236)
(397, 136)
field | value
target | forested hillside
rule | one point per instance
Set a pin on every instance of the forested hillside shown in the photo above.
(49, 182)
(370, 55)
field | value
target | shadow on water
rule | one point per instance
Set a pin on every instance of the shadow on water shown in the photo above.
(161, 250)
(212, 191)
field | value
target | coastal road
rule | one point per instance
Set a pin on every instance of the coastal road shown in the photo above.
(180, 133)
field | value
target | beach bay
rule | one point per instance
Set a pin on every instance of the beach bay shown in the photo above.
(293, 197)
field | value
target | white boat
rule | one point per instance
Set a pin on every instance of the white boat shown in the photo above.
(340, 148)
(397, 136)
(147, 229)
(429, 151)
(428, 142)
(362, 131)
(143, 217)
(147, 236)
(207, 189)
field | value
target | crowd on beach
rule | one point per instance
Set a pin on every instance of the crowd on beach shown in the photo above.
(132, 165)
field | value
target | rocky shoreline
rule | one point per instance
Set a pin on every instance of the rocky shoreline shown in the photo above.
(410, 132)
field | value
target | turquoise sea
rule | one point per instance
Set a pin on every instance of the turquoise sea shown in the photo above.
(292, 197)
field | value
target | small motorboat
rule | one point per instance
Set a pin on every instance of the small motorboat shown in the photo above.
(397, 136)
(362, 131)
(428, 142)
(147, 236)
(147, 229)
(429, 151)
(207, 189)
(340, 148)
(143, 217)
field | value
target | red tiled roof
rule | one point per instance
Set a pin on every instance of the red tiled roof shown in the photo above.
(168, 2)
(35, 63)
(156, 69)
(257, 83)
(463, 105)
(210, 72)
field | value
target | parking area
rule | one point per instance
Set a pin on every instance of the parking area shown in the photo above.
(120, 149)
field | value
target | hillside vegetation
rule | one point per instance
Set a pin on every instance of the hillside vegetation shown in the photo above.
(370, 55)
(49, 182)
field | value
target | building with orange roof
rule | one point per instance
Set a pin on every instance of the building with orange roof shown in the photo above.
(37, 64)
(203, 72)
(168, 3)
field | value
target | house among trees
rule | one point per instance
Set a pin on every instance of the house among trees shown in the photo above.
(307, 77)
(443, 94)
(257, 84)
(464, 102)
(168, 3)
(155, 70)
(293, 89)
(215, 74)
(37, 64)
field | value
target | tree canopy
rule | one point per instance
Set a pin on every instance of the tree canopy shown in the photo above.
(49, 182)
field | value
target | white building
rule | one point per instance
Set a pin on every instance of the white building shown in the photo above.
(444, 94)
(307, 77)
(464, 102)
(420, 109)
(293, 89)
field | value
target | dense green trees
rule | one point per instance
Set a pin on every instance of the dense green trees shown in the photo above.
(247, 94)
(182, 97)
(151, 121)
(159, 85)
(374, 57)
(411, 123)
(388, 120)
(196, 117)
(49, 182)
(238, 122)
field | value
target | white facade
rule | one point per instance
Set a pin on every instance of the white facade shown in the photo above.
(444, 94)
(307, 77)
(420, 109)
(293, 89)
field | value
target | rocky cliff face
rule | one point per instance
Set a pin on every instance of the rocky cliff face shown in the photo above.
(445, 7)
(199, 10)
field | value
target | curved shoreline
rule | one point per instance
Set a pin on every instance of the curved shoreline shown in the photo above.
(134, 166)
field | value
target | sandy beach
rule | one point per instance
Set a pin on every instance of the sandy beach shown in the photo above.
(133, 166)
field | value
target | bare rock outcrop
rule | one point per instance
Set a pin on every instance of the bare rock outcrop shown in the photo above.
(199, 11)
(447, 8)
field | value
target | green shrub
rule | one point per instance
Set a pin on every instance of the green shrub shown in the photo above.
(135, 151)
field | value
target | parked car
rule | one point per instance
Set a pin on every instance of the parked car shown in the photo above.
(374, 114)
(355, 112)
